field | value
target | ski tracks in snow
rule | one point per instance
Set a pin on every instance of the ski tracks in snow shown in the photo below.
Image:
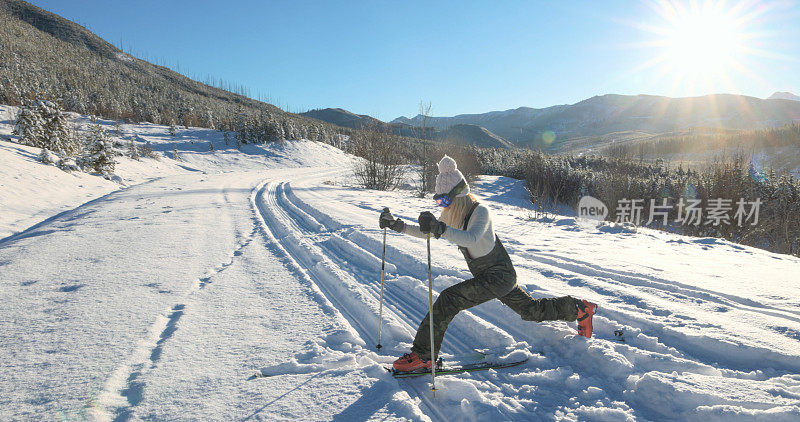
(343, 275)
(124, 389)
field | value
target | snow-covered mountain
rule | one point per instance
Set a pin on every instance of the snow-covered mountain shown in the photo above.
(158, 298)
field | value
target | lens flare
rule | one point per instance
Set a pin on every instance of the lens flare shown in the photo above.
(548, 137)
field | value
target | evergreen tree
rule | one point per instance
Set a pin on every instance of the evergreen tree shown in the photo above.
(99, 155)
(47, 157)
(133, 151)
(42, 124)
(29, 125)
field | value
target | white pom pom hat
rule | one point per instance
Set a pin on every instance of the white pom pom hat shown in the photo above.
(449, 176)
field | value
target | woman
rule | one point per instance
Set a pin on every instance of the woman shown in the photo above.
(467, 223)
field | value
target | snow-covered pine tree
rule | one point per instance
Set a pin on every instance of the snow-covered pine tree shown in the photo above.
(133, 151)
(99, 155)
(172, 128)
(57, 135)
(43, 124)
(47, 157)
(29, 125)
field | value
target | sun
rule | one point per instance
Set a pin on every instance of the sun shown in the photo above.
(704, 42)
(698, 47)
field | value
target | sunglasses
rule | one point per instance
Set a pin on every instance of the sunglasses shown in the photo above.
(445, 199)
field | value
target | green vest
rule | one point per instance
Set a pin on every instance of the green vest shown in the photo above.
(495, 267)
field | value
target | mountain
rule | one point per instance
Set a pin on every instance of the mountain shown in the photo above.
(462, 134)
(43, 55)
(783, 96)
(344, 118)
(473, 135)
(608, 114)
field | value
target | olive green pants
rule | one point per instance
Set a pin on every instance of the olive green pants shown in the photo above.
(475, 291)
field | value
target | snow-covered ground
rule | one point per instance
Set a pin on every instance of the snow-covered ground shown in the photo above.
(158, 299)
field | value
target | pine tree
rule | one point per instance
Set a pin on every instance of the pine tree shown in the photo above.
(29, 125)
(56, 130)
(133, 151)
(47, 157)
(42, 124)
(99, 155)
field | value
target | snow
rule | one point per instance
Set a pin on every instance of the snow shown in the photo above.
(158, 296)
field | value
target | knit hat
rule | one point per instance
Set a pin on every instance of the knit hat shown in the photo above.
(449, 176)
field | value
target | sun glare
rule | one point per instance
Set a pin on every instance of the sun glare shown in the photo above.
(698, 47)
(703, 43)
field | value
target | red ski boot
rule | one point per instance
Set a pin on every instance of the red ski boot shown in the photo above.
(586, 310)
(410, 362)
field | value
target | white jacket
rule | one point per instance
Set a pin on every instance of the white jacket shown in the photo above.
(478, 238)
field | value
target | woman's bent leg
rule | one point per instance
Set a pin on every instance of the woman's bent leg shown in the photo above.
(450, 302)
(546, 309)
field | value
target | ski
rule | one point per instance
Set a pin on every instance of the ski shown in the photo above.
(457, 369)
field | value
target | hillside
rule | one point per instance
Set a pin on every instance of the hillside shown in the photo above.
(344, 118)
(472, 135)
(43, 55)
(602, 115)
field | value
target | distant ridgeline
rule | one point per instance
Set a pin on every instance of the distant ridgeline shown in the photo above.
(44, 56)
(603, 119)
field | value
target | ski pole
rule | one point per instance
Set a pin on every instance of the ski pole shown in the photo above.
(383, 269)
(430, 319)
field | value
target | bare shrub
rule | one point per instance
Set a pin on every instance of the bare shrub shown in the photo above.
(381, 165)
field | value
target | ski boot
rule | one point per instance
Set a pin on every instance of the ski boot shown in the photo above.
(410, 362)
(586, 310)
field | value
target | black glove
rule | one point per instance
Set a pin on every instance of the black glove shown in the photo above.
(429, 224)
(388, 220)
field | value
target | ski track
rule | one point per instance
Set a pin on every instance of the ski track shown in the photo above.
(613, 285)
(318, 271)
(123, 390)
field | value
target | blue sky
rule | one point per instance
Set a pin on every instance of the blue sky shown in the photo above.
(382, 58)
